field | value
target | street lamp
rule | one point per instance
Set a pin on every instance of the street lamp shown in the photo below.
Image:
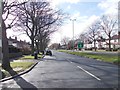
(73, 30)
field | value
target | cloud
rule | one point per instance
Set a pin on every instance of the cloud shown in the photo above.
(109, 6)
(79, 27)
(87, 21)
(71, 1)
(75, 15)
(55, 3)
(68, 7)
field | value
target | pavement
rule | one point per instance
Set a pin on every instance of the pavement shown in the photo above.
(63, 70)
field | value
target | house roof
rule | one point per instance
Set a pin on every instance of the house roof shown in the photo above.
(16, 41)
(117, 43)
(100, 40)
(115, 37)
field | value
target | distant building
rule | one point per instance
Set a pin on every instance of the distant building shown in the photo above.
(87, 44)
(19, 44)
(64, 46)
(114, 42)
(102, 43)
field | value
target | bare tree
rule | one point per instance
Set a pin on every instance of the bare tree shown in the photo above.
(8, 9)
(55, 46)
(52, 21)
(36, 18)
(65, 40)
(93, 32)
(109, 27)
(82, 37)
(70, 44)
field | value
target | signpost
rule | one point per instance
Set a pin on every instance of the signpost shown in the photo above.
(80, 45)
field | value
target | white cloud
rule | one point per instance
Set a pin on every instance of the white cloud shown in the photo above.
(80, 25)
(75, 15)
(55, 3)
(87, 21)
(71, 1)
(64, 1)
(68, 7)
(109, 6)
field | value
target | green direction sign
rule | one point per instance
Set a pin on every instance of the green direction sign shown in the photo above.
(80, 45)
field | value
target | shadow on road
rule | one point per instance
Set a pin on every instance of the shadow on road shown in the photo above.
(24, 85)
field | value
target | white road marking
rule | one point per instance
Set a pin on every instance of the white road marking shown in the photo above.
(89, 73)
(68, 60)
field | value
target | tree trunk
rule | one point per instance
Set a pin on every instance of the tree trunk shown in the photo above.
(32, 45)
(37, 46)
(109, 44)
(5, 50)
(41, 45)
(95, 45)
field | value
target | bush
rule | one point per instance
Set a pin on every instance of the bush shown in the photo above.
(115, 49)
(88, 49)
(15, 55)
(13, 49)
(25, 51)
(102, 48)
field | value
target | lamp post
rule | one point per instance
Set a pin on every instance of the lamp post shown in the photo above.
(73, 30)
(0, 32)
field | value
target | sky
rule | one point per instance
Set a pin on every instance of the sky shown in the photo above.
(84, 11)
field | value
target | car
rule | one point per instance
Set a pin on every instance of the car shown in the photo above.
(49, 52)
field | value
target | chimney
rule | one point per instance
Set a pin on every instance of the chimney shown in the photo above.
(16, 38)
(10, 38)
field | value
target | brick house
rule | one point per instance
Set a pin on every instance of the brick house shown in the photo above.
(103, 43)
(114, 42)
(19, 44)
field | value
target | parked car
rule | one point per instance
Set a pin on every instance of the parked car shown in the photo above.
(49, 52)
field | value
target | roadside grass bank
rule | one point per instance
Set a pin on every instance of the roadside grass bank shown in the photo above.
(102, 57)
(17, 67)
(26, 57)
(20, 64)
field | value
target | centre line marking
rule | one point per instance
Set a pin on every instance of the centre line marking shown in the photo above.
(89, 73)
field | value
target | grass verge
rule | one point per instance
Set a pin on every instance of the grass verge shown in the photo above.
(18, 67)
(106, 58)
(26, 57)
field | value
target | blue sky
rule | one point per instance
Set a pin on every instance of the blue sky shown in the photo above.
(85, 8)
(85, 14)
(83, 11)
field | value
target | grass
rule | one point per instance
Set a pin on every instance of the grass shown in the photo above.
(18, 67)
(106, 58)
(26, 57)
(23, 65)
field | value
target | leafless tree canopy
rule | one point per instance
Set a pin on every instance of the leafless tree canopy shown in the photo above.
(109, 27)
(92, 33)
(38, 20)
(103, 28)
(65, 40)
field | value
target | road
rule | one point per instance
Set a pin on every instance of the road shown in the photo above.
(67, 71)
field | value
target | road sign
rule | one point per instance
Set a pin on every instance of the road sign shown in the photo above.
(80, 45)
